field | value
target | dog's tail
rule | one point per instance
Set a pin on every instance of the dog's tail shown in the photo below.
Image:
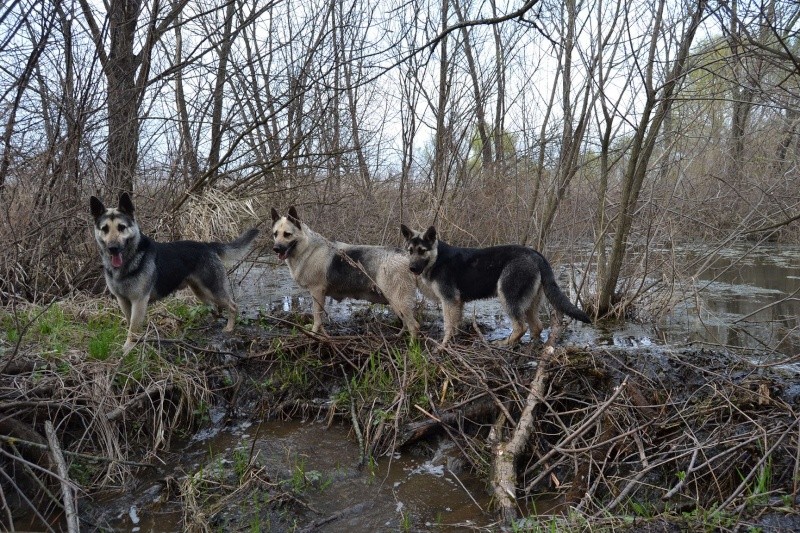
(234, 251)
(554, 295)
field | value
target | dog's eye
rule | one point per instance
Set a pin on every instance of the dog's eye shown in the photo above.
(275, 234)
(104, 229)
(287, 234)
(121, 227)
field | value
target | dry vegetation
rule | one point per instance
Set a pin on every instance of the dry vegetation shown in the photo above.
(603, 130)
(695, 439)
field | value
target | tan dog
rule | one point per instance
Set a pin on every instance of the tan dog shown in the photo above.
(377, 274)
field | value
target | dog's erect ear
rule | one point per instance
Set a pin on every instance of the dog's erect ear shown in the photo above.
(96, 206)
(407, 233)
(125, 204)
(293, 217)
(275, 215)
(430, 235)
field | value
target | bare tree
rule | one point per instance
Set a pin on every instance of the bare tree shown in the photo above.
(127, 73)
(20, 84)
(659, 98)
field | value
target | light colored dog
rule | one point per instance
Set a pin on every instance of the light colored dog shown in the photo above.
(377, 274)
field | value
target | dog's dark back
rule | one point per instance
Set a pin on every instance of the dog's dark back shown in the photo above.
(346, 280)
(176, 261)
(475, 271)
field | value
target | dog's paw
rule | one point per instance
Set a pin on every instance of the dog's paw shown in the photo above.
(441, 346)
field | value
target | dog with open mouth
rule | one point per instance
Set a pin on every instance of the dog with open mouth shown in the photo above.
(377, 274)
(138, 270)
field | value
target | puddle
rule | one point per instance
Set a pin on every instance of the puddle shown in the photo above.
(734, 305)
(741, 301)
(380, 496)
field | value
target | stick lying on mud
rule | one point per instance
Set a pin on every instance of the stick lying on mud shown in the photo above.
(70, 508)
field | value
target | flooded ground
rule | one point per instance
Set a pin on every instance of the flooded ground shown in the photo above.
(320, 463)
(747, 299)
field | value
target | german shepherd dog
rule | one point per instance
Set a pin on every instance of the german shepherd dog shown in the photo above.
(139, 270)
(517, 275)
(377, 274)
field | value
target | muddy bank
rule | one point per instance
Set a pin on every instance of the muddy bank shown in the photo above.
(360, 431)
(273, 428)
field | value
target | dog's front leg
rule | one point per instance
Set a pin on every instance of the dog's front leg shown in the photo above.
(125, 305)
(319, 311)
(138, 313)
(452, 318)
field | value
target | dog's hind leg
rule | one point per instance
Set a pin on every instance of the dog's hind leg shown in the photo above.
(404, 308)
(233, 313)
(519, 327)
(409, 322)
(221, 301)
(532, 314)
(518, 293)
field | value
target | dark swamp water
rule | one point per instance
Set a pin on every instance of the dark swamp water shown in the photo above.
(746, 299)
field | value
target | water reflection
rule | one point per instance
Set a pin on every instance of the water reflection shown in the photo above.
(745, 298)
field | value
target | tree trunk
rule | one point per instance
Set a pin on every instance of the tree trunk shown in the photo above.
(218, 102)
(439, 171)
(123, 97)
(189, 164)
(480, 111)
(655, 110)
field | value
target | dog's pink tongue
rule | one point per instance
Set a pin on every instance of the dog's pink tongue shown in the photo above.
(282, 256)
(116, 260)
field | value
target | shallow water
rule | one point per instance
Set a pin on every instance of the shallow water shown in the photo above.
(745, 299)
(425, 491)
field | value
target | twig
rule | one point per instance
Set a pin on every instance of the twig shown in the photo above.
(70, 506)
(119, 411)
(27, 443)
(356, 427)
(30, 504)
(754, 470)
(585, 426)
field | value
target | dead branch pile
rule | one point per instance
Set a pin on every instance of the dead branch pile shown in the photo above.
(598, 430)
(108, 417)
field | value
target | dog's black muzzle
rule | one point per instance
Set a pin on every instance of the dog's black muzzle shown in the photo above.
(417, 267)
(283, 250)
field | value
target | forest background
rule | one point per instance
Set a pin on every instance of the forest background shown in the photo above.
(617, 123)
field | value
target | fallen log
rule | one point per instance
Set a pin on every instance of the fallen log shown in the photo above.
(507, 451)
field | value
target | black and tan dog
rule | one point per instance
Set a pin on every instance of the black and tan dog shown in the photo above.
(517, 275)
(139, 270)
(377, 274)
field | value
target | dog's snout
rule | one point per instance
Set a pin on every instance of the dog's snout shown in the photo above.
(416, 268)
(278, 248)
(114, 249)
